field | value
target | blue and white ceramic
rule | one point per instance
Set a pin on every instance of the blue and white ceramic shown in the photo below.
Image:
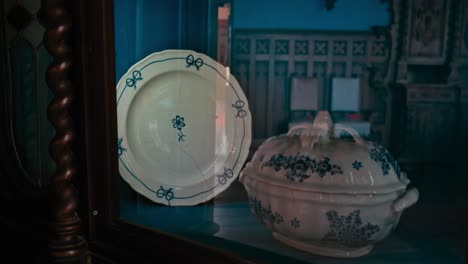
(325, 195)
(184, 127)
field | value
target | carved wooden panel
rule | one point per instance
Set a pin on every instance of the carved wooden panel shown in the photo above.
(241, 71)
(431, 123)
(464, 116)
(268, 60)
(258, 94)
(463, 28)
(276, 97)
(428, 31)
(459, 42)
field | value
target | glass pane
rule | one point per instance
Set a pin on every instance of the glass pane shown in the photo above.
(205, 88)
(29, 60)
(22, 54)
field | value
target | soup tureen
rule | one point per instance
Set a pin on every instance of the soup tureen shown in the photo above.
(325, 195)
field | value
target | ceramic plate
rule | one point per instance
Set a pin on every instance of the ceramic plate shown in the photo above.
(184, 127)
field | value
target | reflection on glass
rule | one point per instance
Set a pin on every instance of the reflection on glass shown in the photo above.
(264, 45)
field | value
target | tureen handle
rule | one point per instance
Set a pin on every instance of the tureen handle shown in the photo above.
(407, 200)
(351, 131)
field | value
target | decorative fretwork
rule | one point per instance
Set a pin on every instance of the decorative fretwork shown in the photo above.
(340, 48)
(265, 71)
(321, 47)
(281, 47)
(359, 48)
(378, 48)
(301, 47)
(262, 46)
(242, 46)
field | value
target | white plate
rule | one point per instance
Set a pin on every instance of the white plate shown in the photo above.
(184, 127)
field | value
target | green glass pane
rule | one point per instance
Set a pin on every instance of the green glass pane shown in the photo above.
(24, 103)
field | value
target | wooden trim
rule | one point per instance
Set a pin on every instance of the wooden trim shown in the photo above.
(66, 244)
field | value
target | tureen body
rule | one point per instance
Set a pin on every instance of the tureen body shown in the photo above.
(325, 195)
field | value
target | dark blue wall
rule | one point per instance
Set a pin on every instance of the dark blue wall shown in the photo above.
(146, 26)
(352, 15)
(143, 27)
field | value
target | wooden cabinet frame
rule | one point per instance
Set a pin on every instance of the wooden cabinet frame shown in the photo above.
(80, 37)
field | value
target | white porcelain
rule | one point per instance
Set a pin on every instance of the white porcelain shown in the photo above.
(324, 195)
(184, 127)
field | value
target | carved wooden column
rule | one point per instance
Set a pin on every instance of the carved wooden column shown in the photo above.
(66, 244)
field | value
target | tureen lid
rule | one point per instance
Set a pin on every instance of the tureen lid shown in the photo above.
(310, 158)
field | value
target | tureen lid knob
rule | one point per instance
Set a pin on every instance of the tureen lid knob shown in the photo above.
(319, 131)
(324, 122)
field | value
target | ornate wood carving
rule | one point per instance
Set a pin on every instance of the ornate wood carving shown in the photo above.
(399, 32)
(274, 57)
(431, 123)
(66, 244)
(464, 30)
(428, 31)
(459, 43)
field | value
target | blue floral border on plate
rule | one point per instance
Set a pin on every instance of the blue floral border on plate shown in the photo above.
(167, 193)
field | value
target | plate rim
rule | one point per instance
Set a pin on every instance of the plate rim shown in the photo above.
(195, 61)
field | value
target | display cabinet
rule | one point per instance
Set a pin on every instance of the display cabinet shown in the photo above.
(86, 212)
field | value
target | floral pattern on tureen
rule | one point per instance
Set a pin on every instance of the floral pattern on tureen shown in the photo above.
(325, 195)
(310, 156)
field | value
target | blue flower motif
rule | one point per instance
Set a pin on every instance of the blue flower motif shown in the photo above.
(178, 122)
(297, 166)
(261, 157)
(357, 165)
(120, 148)
(264, 213)
(380, 155)
(349, 230)
(295, 223)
